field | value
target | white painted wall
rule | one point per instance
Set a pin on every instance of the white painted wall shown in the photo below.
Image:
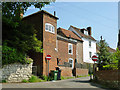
(86, 48)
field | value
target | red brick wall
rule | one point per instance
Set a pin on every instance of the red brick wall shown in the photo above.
(81, 72)
(49, 44)
(63, 51)
(108, 75)
(66, 71)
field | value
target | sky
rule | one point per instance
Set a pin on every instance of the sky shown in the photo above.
(102, 17)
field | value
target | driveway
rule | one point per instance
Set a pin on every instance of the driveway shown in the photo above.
(82, 83)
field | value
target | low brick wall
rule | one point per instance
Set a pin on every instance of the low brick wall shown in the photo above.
(109, 77)
(81, 72)
(66, 71)
(16, 72)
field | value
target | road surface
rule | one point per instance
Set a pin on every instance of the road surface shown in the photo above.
(82, 83)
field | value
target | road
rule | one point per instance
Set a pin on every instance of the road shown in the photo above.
(82, 82)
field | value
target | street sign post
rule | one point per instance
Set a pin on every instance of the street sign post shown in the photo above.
(94, 58)
(48, 57)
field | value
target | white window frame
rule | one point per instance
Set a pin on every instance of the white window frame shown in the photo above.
(69, 44)
(90, 44)
(72, 62)
(89, 55)
(50, 27)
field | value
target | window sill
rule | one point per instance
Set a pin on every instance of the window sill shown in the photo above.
(70, 53)
(50, 32)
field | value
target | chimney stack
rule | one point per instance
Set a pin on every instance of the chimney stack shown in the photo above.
(54, 13)
(89, 31)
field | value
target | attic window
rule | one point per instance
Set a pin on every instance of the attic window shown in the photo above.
(85, 32)
(49, 28)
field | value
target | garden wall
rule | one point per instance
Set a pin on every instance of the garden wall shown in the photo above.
(66, 71)
(81, 72)
(16, 72)
(109, 77)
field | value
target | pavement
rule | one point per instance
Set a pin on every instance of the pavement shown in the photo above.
(82, 82)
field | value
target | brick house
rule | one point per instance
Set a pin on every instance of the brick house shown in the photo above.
(68, 51)
(65, 48)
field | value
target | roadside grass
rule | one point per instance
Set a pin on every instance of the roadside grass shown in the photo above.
(46, 78)
(63, 78)
(33, 79)
(3, 81)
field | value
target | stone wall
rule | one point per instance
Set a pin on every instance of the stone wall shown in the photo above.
(16, 72)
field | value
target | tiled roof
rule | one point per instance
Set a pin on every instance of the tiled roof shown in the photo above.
(81, 34)
(68, 34)
(39, 12)
(111, 50)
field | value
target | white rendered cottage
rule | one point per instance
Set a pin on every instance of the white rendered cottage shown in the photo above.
(89, 43)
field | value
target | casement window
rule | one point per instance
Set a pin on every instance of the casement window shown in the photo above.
(90, 54)
(89, 43)
(49, 28)
(71, 62)
(70, 48)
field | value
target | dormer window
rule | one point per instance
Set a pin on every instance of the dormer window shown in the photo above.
(85, 32)
(49, 28)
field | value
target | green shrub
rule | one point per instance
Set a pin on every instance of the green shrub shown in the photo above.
(11, 55)
(46, 78)
(35, 79)
(62, 78)
(25, 81)
(49, 78)
(4, 81)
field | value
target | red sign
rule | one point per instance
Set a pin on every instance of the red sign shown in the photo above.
(94, 58)
(48, 57)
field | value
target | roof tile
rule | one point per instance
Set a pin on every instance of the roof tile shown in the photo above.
(81, 34)
(68, 34)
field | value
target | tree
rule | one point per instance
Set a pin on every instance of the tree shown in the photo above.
(15, 32)
(18, 38)
(115, 59)
(103, 55)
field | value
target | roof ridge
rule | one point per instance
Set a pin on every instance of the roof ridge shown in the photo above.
(64, 29)
(41, 12)
(82, 34)
(69, 33)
